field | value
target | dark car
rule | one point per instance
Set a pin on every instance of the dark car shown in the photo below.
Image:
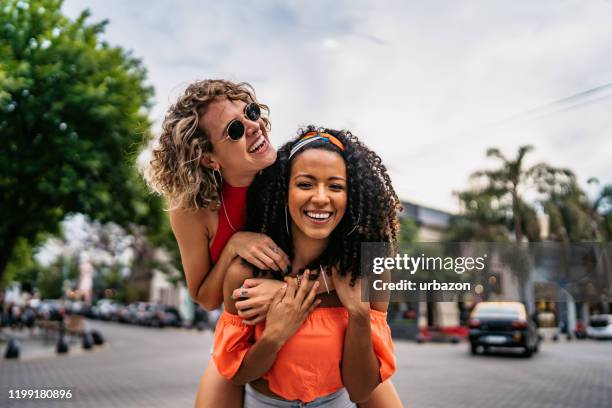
(502, 324)
(161, 316)
(203, 319)
(130, 313)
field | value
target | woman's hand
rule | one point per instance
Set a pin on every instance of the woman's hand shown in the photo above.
(259, 294)
(288, 310)
(259, 250)
(350, 296)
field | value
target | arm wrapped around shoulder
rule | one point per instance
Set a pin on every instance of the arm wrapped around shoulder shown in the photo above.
(232, 342)
(382, 344)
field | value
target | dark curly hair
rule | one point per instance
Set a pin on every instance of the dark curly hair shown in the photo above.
(372, 204)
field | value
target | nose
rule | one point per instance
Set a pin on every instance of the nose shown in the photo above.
(251, 126)
(320, 196)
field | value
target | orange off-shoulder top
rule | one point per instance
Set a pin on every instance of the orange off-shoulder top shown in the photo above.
(308, 366)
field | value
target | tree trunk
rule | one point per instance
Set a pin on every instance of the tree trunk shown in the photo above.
(8, 244)
(518, 231)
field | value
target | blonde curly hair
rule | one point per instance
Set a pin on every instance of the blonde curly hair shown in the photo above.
(175, 169)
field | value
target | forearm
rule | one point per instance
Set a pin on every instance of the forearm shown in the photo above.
(258, 360)
(360, 367)
(210, 290)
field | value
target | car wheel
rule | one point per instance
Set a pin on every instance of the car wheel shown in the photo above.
(474, 349)
(528, 352)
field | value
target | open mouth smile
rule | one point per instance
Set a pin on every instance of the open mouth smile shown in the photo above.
(319, 217)
(259, 145)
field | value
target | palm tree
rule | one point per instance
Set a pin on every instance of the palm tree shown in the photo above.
(484, 219)
(509, 180)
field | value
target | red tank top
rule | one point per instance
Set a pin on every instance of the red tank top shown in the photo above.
(233, 207)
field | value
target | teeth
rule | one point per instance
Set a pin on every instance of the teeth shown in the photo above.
(318, 216)
(261, 141)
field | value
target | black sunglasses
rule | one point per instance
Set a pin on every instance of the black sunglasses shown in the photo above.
(235, 129)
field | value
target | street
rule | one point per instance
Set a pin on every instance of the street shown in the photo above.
(144, 367)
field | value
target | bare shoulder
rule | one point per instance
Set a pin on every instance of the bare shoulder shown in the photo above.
(235, 276)
(187, 222)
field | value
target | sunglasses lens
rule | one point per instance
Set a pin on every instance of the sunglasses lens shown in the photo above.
(252, 111)
(235, 130)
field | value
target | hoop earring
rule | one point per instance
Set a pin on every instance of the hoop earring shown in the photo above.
(215, 178)
(287, 221)
(354, 227)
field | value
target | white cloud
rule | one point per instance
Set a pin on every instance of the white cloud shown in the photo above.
(425, 84)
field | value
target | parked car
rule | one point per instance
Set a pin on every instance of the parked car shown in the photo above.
(130, 313)
(105, 309)
(502, 324)
(203, 319)
(51, 309)
(157, 315)
(600, 327)
(78, 307)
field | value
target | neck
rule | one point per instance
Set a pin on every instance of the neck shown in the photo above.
(238, 180)
(305, 249)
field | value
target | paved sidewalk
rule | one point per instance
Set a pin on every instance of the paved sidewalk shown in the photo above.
(145, 367)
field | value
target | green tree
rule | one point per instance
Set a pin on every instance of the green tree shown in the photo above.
(506, 184)
(73, 113)
(484, 219)
(603, 208)
(408, 230)
(22, 267)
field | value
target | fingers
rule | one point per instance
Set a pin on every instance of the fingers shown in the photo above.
(291, 288)
(247, 304)
(277, 254)
(256, 320)
(240, 293)
(253, 312)
(311, 296)
(301, 293)
(278, 259)
(255, 262)
(278, 296)
(265, 259)
(252, 282)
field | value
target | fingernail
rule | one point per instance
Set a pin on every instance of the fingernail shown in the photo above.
(316, 284)
(285, 286)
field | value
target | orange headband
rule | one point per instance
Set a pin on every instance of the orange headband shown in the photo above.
(311, 137)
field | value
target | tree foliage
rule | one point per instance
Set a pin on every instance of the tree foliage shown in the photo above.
(495, 206)
(73, 113)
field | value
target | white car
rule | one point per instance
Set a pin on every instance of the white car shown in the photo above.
(600, 327)
(105, 309)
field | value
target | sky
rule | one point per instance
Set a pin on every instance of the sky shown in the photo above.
(428, 85)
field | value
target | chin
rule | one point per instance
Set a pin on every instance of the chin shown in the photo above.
(318, 234)
(267, 160)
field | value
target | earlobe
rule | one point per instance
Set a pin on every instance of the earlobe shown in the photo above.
(209, 161)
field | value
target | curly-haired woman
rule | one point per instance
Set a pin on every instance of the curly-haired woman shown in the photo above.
(326, 194)
(214, 141)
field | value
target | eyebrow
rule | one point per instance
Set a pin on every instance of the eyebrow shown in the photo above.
(310, 176)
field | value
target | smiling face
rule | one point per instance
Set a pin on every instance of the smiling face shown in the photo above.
(241, 159)
(317, 193)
